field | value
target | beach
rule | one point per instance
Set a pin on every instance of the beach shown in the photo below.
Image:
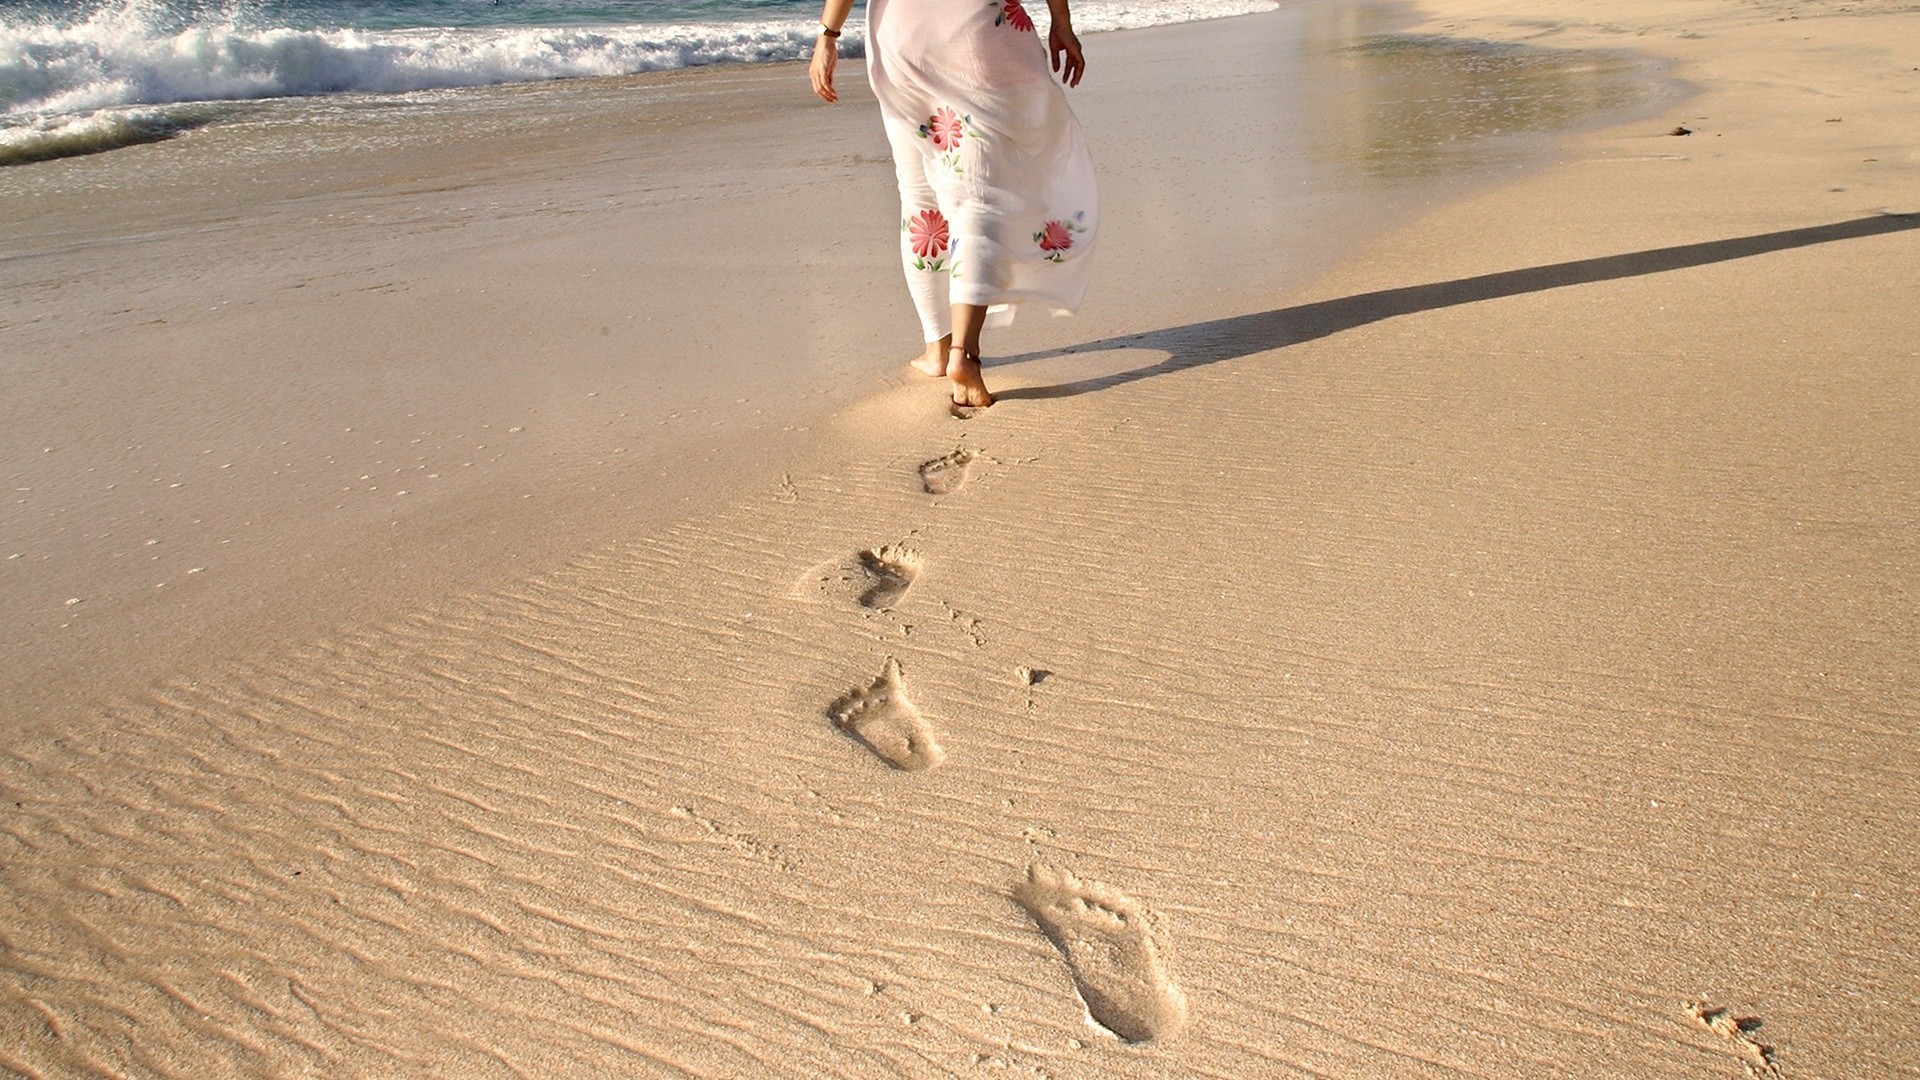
(485, 595)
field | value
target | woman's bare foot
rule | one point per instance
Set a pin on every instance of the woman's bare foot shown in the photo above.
(969, 390)
(932, 362)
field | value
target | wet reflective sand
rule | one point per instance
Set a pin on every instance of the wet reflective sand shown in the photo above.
(328, 279)
(1405, 106)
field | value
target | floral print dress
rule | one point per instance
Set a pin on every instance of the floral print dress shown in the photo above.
(997, 195)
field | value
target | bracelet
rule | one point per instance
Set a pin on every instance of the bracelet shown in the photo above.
(829, 31)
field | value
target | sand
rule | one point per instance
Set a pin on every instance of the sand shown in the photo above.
(1492, 652)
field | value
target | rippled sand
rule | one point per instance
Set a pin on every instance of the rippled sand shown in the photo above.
(1486, 651)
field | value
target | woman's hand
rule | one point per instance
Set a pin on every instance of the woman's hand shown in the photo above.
(826, 53)
(1064, 48)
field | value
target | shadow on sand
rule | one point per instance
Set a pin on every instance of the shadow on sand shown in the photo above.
(1198, 344)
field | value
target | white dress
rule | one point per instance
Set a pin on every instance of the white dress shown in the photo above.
(998, 203)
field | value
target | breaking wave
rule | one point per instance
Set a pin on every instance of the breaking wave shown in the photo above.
(79, 85)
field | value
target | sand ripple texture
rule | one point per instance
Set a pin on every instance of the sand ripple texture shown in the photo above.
(604, 824)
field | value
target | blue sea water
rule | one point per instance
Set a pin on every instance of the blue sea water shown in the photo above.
(416, 14)
(81, 77)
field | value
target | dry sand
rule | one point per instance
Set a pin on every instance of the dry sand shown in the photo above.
(1497, 659)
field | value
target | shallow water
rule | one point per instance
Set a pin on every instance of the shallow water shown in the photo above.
(1353, 104)
(77, 79)
(1424, 106)
(1350, 126)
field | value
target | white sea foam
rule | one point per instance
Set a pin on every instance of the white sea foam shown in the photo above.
(1094, 16)
(67, 87)
(119, 58)
(43, 138)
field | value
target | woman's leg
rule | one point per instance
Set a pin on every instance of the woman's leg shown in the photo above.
(963, 361)
(925, 251)
(934, 360)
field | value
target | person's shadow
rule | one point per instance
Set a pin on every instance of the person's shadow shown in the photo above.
(1197, 344)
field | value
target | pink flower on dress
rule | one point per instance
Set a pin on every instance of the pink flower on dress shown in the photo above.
(1055, 237)
(943, 127)
(927, 234)
(1012, 14)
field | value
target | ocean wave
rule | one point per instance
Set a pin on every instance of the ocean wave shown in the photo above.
(1098, 16)
(70, 87)
(122, 56)
(44, 138)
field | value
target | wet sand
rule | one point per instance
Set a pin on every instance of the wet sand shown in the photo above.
(1491, 653)
(340, 357)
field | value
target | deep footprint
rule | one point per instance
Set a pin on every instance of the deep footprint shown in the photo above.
(1757, 1056)
(1108, 945)
(890, 572)
(881, 717)
(947, 474)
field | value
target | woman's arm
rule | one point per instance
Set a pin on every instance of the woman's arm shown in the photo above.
(1063, 46)
(826, 47)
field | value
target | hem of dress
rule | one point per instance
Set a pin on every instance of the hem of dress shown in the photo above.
(1001, 310)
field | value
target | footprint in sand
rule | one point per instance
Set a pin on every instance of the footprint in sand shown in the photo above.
(881, 716)
(1108, 945)
(876, 578)
(948, 473)
(889, 571)
(1757, 1056)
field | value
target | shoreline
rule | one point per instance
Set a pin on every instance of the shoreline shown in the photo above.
(401, 250)
(1491, 656)
(147, 73)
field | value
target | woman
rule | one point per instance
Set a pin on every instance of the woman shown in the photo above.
(998, 205)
